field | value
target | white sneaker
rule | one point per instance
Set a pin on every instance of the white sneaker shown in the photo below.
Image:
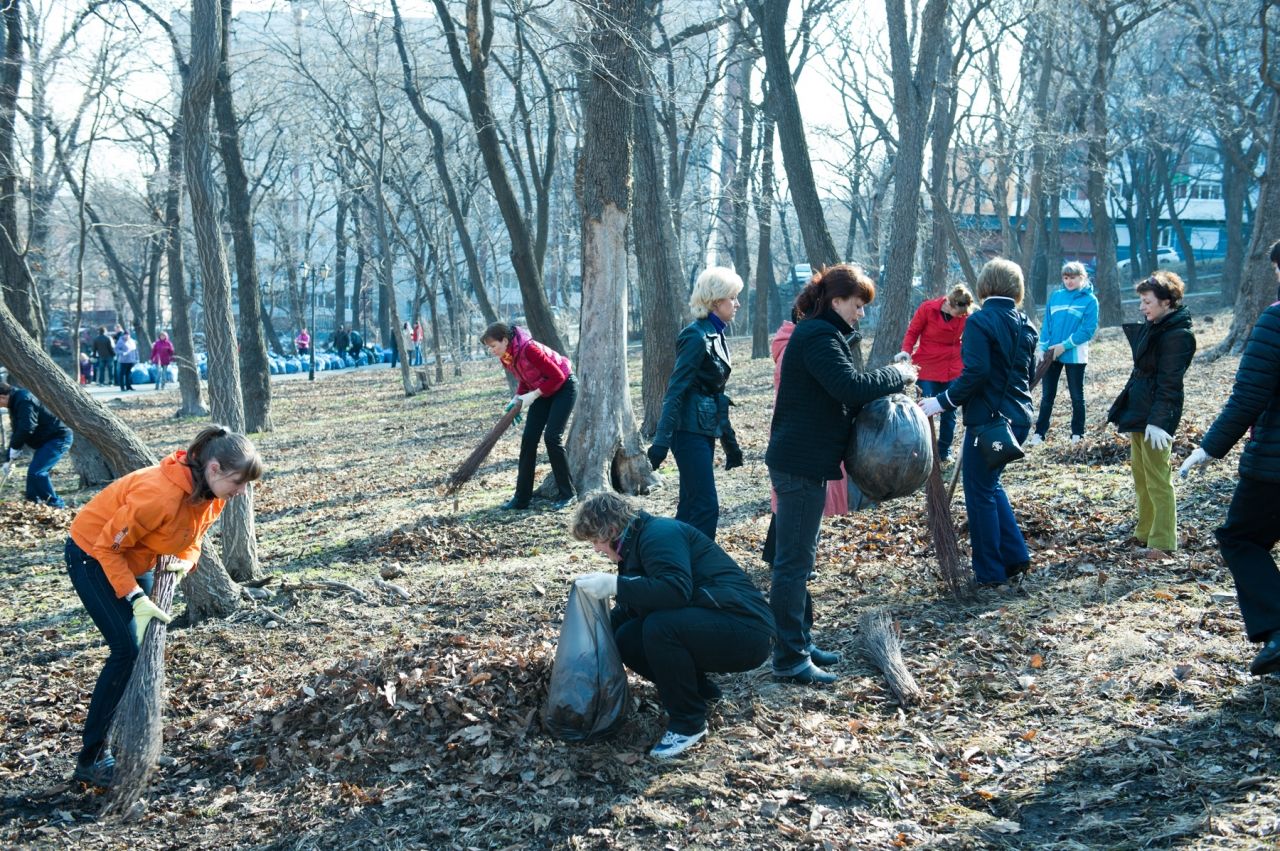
(1034, 440)
(1076, 438)
(674, 744)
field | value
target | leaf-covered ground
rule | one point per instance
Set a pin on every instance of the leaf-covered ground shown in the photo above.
(1102, 704)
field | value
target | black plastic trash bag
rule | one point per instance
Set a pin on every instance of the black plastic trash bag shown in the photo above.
(890, 450)
(587, 698)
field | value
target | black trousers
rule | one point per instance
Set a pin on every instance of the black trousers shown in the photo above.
(1075, 386)
(674, 648)
(1245, 541)
(546, 420)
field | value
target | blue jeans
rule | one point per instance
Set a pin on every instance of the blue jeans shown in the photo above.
(797, 523)
(39, 485)
(946, 420)
(1075, 386)
(114, 619)
(675, 648)
(994, 536)
(699, 504)
(105, 370)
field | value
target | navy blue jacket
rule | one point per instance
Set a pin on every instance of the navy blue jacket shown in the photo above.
(1162, 351)
(668, 564)
(30, 423)
(994, 353)
(1254, 401)
(820, 391)
(695, 399)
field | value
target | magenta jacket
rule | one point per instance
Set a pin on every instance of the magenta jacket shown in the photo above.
(162, 352)
(534, 365)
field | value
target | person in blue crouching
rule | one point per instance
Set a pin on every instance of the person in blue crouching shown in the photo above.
(33, 426)
(684, 609)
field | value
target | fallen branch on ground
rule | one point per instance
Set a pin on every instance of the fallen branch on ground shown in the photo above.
(327, 585)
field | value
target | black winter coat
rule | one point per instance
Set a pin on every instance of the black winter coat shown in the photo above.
(1162, 351)
(667, 564)
(30, 423)
(998, 349)
(820, 391)
(1254, 401)
(104, 347)
(695, 399)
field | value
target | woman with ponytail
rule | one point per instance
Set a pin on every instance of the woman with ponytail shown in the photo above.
(113, 546)
(820, 391)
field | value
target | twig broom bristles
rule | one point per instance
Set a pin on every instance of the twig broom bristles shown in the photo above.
(946, 544)
(468, 467)
(881, 643)
(135, 737)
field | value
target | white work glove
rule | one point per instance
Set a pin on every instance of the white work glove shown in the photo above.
(15, 454)
(1158, 438)
(908, 371)
(1195, 459)
(902, 357)
(181, 567)
(1058, 350)
(143, 611)
(1040, 353)
(598, 585)
(4, 471)
(931, 406)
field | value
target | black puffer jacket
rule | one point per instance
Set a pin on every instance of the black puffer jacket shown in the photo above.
(1162, 351)
(31, 424)
(695, 399)
(667, 564)
(1254, 401)
(819, 393)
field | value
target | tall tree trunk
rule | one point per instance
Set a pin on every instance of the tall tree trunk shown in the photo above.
(771, 16)
(20, 294)
(660, 278)
(239, 546)
(1033, 223)
(184, 348)
(1235, 187)
(604, 445)
(740, 186)
(764, 257)
(255, 370)
(339, 266)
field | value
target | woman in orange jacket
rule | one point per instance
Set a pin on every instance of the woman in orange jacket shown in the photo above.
(113, 546)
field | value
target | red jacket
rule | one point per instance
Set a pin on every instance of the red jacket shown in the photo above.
(938, 355)
(535, 366)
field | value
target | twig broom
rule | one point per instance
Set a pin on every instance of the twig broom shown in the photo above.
(946, 544)
(881, 643)
(468, 468)
(135, 736)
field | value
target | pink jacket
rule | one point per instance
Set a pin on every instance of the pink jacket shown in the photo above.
(837, 489)
(162, 352)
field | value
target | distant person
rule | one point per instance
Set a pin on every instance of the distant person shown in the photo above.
(32, 425)
(1070, 321)
(111, 554)
(546, 391)
(342, 340)
(126, 359)
(302, 343)
(104, 349)
(695, 409)
(1150, 406)
(162, 356)
(417, 344)
(86, 369)
(932, 343)
(355, 345)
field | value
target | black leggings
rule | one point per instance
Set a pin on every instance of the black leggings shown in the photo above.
(546, 418)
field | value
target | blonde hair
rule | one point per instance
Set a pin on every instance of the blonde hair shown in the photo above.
(1001, 278)
(1076, 268)
(714, 284)
(601, 516)
(960, 299)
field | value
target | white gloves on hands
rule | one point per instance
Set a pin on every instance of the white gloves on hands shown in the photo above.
(1158, 438)
(902, 357)
(598, 585)
(143, 611)
(179, 566)
(1195, 459)
(1040, 353)
(931, 406)
(1058, 350)
(908, 371)
(526, 399)
(15, 454)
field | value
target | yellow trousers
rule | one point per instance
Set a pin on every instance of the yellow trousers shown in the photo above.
(1153, 482)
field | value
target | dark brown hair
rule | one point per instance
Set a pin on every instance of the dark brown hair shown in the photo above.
(1164, 285)
(233, 452)
(832, 282)
(5, 389)
(495, 332)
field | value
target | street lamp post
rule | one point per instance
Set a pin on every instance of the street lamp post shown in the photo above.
(305, 269)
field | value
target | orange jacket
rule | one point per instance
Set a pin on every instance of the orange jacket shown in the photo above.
(145, 514)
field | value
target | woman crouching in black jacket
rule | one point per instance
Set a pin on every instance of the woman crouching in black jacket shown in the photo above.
(684, 609)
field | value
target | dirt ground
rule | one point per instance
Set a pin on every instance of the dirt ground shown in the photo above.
(1103, 704)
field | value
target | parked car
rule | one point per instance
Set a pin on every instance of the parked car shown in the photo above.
(1165, 256)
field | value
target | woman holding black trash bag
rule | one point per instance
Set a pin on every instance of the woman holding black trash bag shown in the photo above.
(820, 391)
(695, 410)
(998, 352)
(113, 547)
(684, 609)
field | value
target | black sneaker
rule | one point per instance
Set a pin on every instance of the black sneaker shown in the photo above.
(562, 502)
(96, 773)
(823, 658)
(514, 504)
(810, 676)
(1268, 659)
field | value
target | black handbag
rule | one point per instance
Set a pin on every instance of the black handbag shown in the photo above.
(994, 440)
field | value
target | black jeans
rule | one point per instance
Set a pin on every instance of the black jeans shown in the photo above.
(1245, 541)
(114, 619)
(1075, 386)
(698, 505)
(674, 648)
(126, 375)
(546, 419)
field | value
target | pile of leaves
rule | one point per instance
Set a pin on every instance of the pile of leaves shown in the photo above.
(441, 539)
